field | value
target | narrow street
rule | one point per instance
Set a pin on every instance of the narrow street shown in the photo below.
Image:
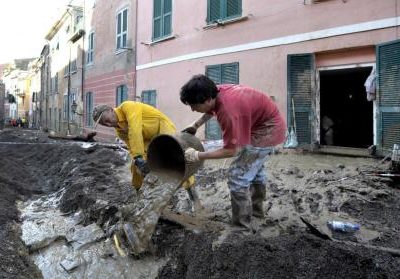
(61, 199)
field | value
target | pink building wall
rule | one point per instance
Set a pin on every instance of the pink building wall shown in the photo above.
(111, 67)
(280, 23)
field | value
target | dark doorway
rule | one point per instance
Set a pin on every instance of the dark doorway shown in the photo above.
(346, 114)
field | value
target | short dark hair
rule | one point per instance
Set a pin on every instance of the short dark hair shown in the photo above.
(198, 90)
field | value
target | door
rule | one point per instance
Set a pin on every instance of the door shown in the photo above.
(301, 80)
(388, 97)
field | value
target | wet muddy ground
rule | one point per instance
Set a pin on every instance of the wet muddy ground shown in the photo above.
(56, 191)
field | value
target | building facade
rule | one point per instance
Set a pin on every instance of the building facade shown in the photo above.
(110, 57)
(312, 57)
(64, 73)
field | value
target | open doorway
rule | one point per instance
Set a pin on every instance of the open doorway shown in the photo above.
(345, 113)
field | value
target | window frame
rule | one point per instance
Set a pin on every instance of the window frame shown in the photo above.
(89, 108)
(119, 34)
(223, 9)
(161, 17)
(120, 94)
(90, 50)
(148, 96)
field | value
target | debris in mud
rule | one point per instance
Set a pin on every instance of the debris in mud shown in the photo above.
(71, 196)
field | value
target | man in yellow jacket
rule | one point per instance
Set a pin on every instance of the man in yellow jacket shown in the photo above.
(136, 124)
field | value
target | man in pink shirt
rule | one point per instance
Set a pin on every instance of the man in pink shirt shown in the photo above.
(251, 126)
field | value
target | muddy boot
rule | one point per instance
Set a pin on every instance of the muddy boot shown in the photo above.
(258, 194)
(194, 198)
(241, 209)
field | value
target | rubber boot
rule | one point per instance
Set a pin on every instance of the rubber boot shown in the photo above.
(194, 198)
(241, 209)
(258, 194)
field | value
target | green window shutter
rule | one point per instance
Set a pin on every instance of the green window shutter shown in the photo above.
(214, 72)
(157, 19)
(388, 85)
(149, 97)
(162, 18)
(300, 71)
(121, 95)
(230, 73)
(223, 73)
(223, 10)
(233, 8)
(167, 17)
(89, 109)
(213, 130)
(214, 10)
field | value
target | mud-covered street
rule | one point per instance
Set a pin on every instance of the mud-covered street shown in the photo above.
(61, 202)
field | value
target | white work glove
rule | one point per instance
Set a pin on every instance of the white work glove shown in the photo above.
(191, 155)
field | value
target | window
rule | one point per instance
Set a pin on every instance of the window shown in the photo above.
(56, 83)
(122, 94)
(73, 67)
(65, 106)
(89, 109)
(162, 18)
(221, 73)
(149, 97)
(67, 109)
(78, 23)
(72, 98)
(90, 51)
(223, 10)
(66, 70)
(122, 28)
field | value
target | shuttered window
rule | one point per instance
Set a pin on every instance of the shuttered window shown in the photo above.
(122, 28)
(90, 51)
(388, 70)
(149, 97)
(300, 69)
(220, 74)
(89, 109)
(72, 98)
(223, 10)
(121, 94)
(162, 18)
(65, 107)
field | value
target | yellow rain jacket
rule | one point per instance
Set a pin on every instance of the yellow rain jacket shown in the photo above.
(138, 124)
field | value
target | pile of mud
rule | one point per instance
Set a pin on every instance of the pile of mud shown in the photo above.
(94, 181)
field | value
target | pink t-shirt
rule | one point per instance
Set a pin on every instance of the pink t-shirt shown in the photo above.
(248, 116)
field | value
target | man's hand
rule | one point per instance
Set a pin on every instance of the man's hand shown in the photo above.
(192, 155)
(190, 130)
(141, 164)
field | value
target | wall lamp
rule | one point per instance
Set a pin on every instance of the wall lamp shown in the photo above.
(74, 108)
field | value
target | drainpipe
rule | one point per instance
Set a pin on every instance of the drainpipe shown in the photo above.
(135, 55)
(83, 68)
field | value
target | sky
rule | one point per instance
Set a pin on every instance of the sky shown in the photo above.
(23, 26)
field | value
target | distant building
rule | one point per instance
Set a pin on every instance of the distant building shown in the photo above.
(15, 78)
(63, 73)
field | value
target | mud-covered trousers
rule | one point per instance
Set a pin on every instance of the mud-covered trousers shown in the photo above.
(248, 168)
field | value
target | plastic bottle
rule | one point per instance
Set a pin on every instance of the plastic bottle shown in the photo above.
(340, 226)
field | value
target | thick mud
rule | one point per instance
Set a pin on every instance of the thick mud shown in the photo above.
(76, 195)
